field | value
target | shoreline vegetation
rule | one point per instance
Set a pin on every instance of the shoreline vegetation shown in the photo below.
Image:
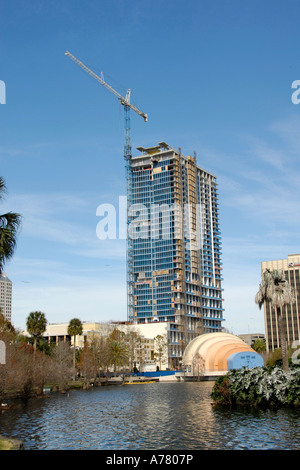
(34, 368)
(260, 387)
(31, 362)
(32, 365)
(265, 387)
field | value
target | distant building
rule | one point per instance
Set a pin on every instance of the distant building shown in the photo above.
(211, 355)
(174, 245)
(291, 312)
(5, 296)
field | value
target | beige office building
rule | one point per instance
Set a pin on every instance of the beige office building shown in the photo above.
(291, 268)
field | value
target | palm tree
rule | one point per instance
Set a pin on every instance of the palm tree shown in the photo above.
(117, 350)
(118, 354)
(36, 325)
(9, 225)
(74, 328)
(275, 289)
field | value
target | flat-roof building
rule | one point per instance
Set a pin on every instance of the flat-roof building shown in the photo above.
(250, 338)
(56, 332)
(174, 245)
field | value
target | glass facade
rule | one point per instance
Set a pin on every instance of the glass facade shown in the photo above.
(174, 245)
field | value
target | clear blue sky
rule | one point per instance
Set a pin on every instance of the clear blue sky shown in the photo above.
(214, 77)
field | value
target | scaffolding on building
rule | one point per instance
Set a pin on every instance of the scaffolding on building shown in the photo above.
(175, 261)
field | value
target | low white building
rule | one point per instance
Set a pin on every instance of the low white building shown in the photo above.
(152, 358)
(5, 296)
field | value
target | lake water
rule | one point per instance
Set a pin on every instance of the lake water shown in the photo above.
(170, 416)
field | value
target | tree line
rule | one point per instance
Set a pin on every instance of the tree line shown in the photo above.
(32, 362)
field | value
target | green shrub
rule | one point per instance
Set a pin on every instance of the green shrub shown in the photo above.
(260, 386)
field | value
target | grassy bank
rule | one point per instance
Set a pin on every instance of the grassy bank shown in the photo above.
(10, 444)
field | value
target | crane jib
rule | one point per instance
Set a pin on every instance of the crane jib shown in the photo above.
(123, 100)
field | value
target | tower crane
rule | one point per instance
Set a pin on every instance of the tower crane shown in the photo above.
(127, 156)
(124, 101)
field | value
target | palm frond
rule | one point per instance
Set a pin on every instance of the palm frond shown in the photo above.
(9, 226)
(3, 190)
(274, 288)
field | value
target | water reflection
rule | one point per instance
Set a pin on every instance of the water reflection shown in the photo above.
(154, 416)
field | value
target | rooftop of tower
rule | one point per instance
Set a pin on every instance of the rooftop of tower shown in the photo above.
(162, 147)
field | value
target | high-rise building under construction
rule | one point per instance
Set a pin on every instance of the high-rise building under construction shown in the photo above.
(174, 245)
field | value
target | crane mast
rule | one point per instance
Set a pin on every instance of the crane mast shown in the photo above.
(127, 156)
(124, 101)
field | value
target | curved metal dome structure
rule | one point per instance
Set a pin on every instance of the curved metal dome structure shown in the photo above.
(216, 353)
